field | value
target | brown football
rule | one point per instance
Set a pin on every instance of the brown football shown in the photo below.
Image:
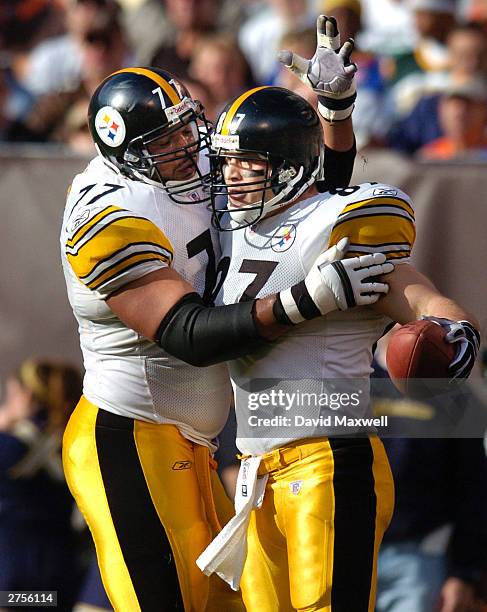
(418, 350)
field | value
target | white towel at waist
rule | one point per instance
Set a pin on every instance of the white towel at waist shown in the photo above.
(225, 555)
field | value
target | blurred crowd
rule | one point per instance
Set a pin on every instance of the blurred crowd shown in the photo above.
(422, 91)
(422, 79)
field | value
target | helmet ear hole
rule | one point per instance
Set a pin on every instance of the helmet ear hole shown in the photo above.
(287, 174)
(281, 174)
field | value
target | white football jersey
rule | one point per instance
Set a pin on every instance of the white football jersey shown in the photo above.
(297, 375)
(114, 231)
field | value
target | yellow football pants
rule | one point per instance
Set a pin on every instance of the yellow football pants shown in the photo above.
(146, 494)
(313, 544)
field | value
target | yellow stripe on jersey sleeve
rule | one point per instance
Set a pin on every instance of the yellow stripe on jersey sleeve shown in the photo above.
(127, 264)
(117, 249)
(374, 225)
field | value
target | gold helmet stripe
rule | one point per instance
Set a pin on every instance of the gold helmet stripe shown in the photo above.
(164, 85)
(232, 111)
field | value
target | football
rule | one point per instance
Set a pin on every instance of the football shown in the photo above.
(416, 352)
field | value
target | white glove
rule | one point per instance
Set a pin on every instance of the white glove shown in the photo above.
(329, 73)
(333, 284)
(468, 340)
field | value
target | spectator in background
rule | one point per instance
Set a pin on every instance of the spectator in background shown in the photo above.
(190, 20)
(61, 117)
(372, 118)
(434, 20)
(467, 46)
(15, 103)
(149, 28)
(55, 66)
(220, 66)
(463, 124)
(259, 37)
(476, 10)
(467, 51)
(434, 551)
(302, 42)
(388, 28)
(36, 538)
(24, 24)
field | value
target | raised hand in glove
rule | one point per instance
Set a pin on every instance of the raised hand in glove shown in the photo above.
(334, 283)
(329, 73)
(467, 339)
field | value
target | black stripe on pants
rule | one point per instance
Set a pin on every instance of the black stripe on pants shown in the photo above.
(142, 537)
(354, 523)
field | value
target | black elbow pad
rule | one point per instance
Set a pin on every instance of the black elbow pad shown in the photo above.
(202, 336)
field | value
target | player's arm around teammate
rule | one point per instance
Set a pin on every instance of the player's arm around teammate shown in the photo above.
(164, 308)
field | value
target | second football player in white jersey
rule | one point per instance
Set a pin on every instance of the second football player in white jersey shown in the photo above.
(325, 488)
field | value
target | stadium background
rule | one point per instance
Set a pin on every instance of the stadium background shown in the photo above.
(449, 194)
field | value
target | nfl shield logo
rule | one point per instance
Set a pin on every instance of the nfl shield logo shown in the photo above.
(295, 486)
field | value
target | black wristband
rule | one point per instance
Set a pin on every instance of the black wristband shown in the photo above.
(307, 308)
(295, 305)
(337, 104)
(279, 312)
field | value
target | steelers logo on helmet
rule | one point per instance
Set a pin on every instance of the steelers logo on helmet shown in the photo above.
(110, 126)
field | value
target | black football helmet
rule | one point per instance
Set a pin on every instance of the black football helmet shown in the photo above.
(135, 107)
(277, 126)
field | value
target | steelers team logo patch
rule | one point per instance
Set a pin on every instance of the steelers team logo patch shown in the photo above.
(110, 126)
(283, 238)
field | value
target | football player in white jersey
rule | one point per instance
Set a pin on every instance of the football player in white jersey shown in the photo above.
(141, 269)
(312, 461)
